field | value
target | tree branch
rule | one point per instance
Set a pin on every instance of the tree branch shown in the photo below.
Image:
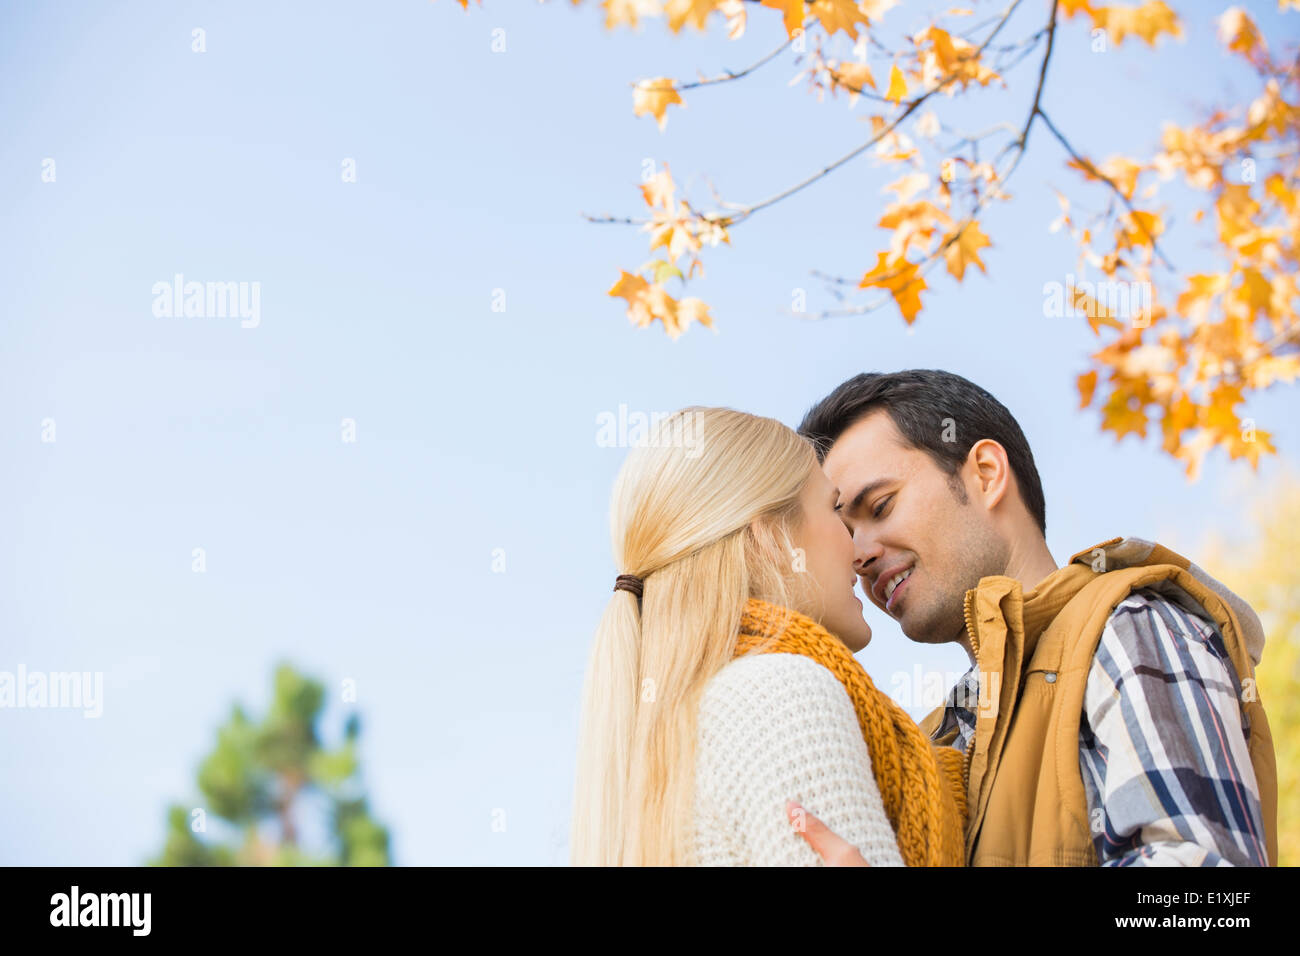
(728, 75)
(926, 264)
(1094, 171)
(912, 105)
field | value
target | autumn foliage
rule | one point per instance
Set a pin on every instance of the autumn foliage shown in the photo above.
(1183, 363)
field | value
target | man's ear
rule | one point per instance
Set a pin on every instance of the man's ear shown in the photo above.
(990, 470)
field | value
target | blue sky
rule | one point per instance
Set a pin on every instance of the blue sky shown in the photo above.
(372, 560)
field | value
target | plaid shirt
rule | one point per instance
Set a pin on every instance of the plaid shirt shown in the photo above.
(1162, 742)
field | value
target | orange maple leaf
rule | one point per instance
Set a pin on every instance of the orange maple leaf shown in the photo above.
(897, 85)
(1123, 413)
(654, 96)
(836, 15)
(1087, 385)
(898, 275)
(792, 12)
(1147, 21)
(965, 249)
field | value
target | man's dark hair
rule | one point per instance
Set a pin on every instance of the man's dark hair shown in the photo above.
(919, 401)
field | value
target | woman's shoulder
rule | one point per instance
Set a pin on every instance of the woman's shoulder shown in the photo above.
(769, 668)
(773, 681)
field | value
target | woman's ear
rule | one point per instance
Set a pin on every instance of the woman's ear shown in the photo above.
(764, 533)
(761, 542)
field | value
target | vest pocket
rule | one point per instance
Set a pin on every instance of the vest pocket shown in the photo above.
(1039, 683)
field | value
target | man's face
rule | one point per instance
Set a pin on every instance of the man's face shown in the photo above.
(908, 520)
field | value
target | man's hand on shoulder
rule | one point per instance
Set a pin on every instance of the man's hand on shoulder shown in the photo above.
(834, 850)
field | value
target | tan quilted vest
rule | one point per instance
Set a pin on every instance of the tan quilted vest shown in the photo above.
(1025, 789)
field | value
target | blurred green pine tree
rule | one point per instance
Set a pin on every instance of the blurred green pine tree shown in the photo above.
(257, 779)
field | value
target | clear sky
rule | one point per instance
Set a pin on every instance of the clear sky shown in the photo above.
(372, 560)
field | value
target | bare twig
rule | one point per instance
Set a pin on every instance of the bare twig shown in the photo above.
(1094, 171)
(926, 264)
(912, 106)
(726, 76)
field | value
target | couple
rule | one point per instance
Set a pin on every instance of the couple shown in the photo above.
(1109, 716)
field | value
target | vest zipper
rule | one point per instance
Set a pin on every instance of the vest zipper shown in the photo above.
(971, 632)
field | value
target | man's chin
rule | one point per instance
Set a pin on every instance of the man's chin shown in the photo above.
(920, 631)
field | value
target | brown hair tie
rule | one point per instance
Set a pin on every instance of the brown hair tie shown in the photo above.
(628, 582)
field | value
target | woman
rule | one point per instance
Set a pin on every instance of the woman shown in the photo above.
(722, 682)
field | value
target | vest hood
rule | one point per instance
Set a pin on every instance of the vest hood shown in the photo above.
(1134, 552)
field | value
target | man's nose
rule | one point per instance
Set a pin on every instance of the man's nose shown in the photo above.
(866, 549)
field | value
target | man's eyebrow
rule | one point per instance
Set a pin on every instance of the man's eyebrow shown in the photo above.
(866, 490)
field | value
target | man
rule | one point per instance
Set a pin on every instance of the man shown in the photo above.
(1110, 715)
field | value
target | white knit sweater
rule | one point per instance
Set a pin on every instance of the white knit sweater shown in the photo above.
(775, 727)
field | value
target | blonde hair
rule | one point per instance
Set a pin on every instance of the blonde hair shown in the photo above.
(706, 524)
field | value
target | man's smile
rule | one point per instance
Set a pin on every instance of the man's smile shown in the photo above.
(894, 589)
(888, 582)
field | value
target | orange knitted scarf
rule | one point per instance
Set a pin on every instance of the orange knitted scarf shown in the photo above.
(920, 782)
